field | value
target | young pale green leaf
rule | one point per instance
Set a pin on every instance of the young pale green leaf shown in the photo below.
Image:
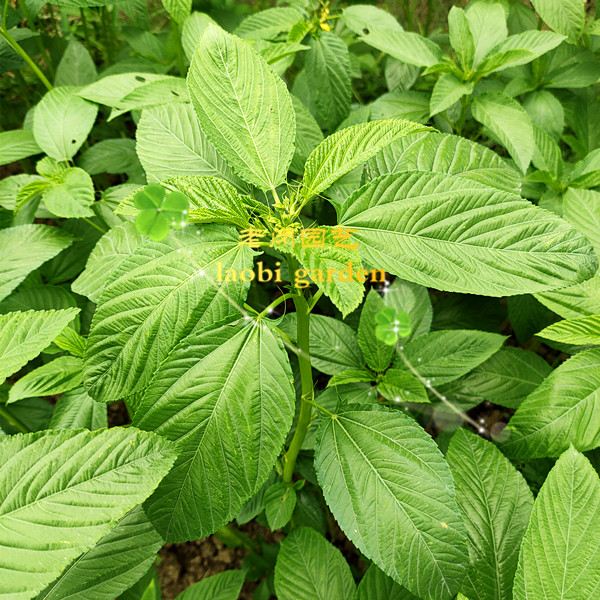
(495, 502)
(62, 121)
(268, 24)
(508, 121)
(244, 108)
(178, 9)
(563, 410)
(309, 567)
(327, 67)
(585, 330)
(412, 299)
(76, 410)
(586, 172)
(405, 46)
(70, 195)
(55, 377)
(222, 586)
(348, 148)
(401, 221)
(580, 300)
(46, 471)
(76, 67)
(559, 556)
(364, 18)
(107, 255)
(42, 243)
(519, 49)
(461, 38)
(308, 136)
(155, 298)
(23, 335)
(378, 355)
(279, 502)
(445, 153)
(113, 155)
(447, 90)
(16, 145)
(227, 395)
(564, 16)
(487, 23)
(546, 112)
(376, 584)
(414, 531)
(400, 386)
(442, 356)
(333, 345)
(170, 143)
(508, 376)
(547, 156)
(406, 105)
(111, 89)
(123, 555)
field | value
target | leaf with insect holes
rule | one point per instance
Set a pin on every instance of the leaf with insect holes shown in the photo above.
(158, 211)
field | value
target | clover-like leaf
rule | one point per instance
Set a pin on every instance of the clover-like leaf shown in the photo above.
(391, 324)
(158, 211)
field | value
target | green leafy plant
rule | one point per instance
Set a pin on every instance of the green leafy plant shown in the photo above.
(339, 275)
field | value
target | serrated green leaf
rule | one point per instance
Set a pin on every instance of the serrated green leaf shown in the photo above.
(222, 586)
(327, 68)
(508, 121)
(23, 335)
(563, 410)
(308, 136)
(111, 89)
(123, 555)
(76, 67)
(348, 148)
(227, 395)
(17, 144)
(42, 242)
(170, 143)
(309, 567)
(244, 108)
(461, 38)
(575, 301)
(444, 153)
(279, 501)
(168, 288)
(376, 584)
(62, 121)
(192, 31)
(122, 467)
(76, 410)
(564, 16)
(377, 354)
(402, 220)
(70, 195)
(269, 23)
(178, 9)
(400, 386)
(442, 356)
(448, 89)
(412, 299)
(415, 533)
(586, 172)
(363, 18)
(559, 556)
(55, 377)
(495, 502)
(487, 23)
(585, 330)
(112, 248)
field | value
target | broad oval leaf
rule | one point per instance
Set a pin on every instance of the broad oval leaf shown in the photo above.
(563, 410)
(445, 153)
(348, 148)
(585, 330)
(226, 395)
(376, 584)
(381, 463)
(52, 508)
(559, 556)
(156, 297)
(580, 300)
(17, 144)
(62, 121)
(123, 555)
(23, 335)
(446, 232)
(244, 108)
(564, 16)
(170, 143)
(76, 410)
(378, 355)
(309, 567)
(495, 502)
(405, 46)
(222, 586)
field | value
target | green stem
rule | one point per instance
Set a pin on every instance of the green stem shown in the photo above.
(90, 222)
(15, 46)
(302, 334)
(14, 421)
(234, 537)
(40, 43)
(275, 303)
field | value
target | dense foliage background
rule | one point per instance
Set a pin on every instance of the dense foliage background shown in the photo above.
(172, 428)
